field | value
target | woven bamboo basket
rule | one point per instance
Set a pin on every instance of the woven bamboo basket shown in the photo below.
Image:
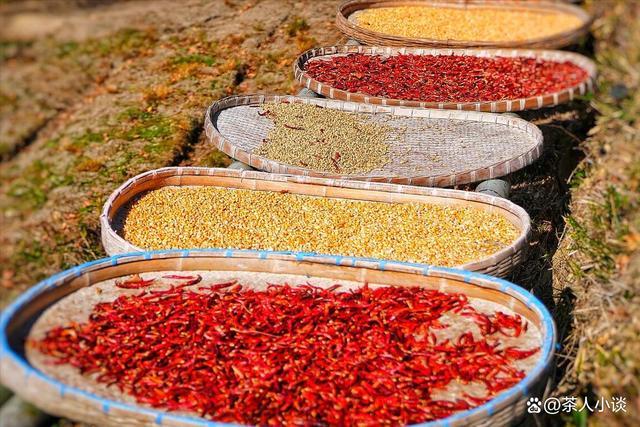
(499, 264)
(435, 148)
(365, 36)
(545, 100)
(78, 403)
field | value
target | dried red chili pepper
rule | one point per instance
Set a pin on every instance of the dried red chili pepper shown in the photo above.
(293, 127)
(134, 282)
(506, 322)
(445, 78)
(517, 354)
(190, 280)
(290, 355)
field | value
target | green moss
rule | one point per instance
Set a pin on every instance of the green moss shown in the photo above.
(126, 42)
(142, 124)
(52, 143)
(84, 140)
(32, 256)
(134, 113)
(90, 207)
(599, 233)
(150, 129)
(4, 149)
(119, 168)
(38, 179)
(159, 147)
(66, 49)
(222, 84)
(295, 26)
(11, 49)
(587, 97)
(271, 60)
(610, 215)
(27, 194)
(578, 177)
(216, 159)
(33, 253)
(599, 252)
(579, 418)
(599, 236)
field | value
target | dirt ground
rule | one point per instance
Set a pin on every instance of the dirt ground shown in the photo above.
(95, 92)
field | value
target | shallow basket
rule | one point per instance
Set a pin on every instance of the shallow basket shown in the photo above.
(499, 264)
(64, 400)
(369, 37)
(534, 102)
(478, 146)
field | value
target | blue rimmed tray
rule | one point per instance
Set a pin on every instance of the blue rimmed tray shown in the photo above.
(75, 402)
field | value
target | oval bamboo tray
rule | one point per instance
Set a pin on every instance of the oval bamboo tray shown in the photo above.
(365, 36)
(535, 102)
(499, 264)
(69, 401)
(424, 154)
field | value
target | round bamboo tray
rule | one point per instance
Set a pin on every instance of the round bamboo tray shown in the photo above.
(365, 36)
(74, 402)
(431, 147)
(535, 102)
(499, 264)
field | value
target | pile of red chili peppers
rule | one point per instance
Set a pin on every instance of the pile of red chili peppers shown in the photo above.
(288, 355)
(445, 78)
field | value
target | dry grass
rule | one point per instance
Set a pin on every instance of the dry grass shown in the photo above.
(597, 266)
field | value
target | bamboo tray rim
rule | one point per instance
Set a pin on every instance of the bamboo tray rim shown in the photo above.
(515, 104)
(585, 17)
(547, 326)
(497, 202)
(456, 177)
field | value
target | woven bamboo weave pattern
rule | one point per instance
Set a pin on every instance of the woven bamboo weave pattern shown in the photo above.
(427, 147)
